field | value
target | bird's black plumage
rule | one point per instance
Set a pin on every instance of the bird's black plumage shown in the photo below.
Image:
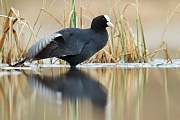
(73, 45)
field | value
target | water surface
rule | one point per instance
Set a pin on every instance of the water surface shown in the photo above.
(90, 94)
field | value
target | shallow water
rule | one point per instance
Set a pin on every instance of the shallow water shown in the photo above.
(96, 93)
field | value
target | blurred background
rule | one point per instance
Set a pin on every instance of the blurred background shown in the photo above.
(154, 15)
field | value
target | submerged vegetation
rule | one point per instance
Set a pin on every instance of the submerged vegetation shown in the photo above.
(124, 44)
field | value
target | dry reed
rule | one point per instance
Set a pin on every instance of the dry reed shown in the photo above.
(124, 44)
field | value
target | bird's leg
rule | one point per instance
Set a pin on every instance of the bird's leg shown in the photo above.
(73, 66)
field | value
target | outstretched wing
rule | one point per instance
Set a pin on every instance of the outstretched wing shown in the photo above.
(43, 47)
(63, 43)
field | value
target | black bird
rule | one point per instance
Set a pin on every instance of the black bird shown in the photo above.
(73, 45)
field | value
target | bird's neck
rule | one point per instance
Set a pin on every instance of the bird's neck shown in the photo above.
(98, 29)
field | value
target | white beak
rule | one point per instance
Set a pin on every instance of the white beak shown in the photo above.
(109, 24)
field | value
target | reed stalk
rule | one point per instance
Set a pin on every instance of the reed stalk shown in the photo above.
(144, 42)
(72, 16)
(110, 32)
(124, 44)
(137, 28)
(120, 31)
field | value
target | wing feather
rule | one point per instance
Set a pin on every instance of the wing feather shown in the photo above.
(74, 39)
(65, 42)
(43, 47)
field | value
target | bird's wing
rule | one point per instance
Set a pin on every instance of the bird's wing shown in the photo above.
(58, 44)
(69, 48)
(74, 39)
(43, 47)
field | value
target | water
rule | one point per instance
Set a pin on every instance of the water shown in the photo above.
(90, 93)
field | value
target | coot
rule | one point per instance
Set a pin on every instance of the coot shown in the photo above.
(73, 45)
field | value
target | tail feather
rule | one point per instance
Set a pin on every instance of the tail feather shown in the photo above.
(19, 63)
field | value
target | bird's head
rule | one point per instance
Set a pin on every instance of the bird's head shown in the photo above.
(101, 22)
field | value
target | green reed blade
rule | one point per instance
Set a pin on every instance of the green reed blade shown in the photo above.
(73, 15)
(137, 28)
(121, 33)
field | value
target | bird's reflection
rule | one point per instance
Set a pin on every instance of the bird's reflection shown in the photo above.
(74, 84)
